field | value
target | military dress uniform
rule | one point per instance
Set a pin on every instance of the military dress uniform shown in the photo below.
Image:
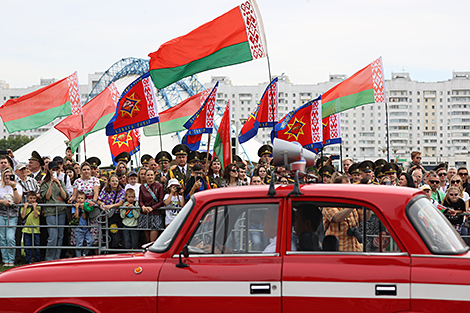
(181, 174)
(38, 176)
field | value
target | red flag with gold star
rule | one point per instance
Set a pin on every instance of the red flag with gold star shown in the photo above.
(303, 125)
(136, 108)
(124, 142)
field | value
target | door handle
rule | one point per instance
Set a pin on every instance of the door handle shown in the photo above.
(385, 290)
(256, 289)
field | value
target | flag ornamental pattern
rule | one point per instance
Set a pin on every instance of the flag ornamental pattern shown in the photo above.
(223, 143)
(173, 119)
(124, 142)
(364, 87)
(40, 107)
(136, 108)
(74, 94)
(96, 115)
(262, 116)
(332, 130)
(201, 122)
(303, 125)
(234, 37)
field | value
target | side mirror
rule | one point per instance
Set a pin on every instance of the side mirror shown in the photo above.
(184, 252)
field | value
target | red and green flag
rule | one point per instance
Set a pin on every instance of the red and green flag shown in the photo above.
(96, 115)
(42, 106)
(223, 143)
(173, 119)
(234, 37)
(365, 87)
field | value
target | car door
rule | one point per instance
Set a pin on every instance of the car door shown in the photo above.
(376, 279)
(233, 265)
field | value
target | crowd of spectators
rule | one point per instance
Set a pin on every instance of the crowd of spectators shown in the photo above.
(132, 200)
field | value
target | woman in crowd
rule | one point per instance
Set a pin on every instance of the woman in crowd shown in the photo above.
(261, 172)
(215, 174)
(76, 168)
(121, 169)
(231, 176)
(406, 180)
(9, 195)
(453, 201)
(141, 175)
(53, 192)
(90, 185)
(111, 198)
(150, 200)
(385, 181)
(456, 180)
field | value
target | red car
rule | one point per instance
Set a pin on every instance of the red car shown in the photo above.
(235, 250)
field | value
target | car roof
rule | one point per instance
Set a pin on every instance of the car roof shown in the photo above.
(386, 198)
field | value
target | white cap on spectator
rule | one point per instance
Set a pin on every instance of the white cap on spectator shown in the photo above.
(172, 182)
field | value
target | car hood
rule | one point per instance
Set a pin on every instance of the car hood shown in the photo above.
(116, 267)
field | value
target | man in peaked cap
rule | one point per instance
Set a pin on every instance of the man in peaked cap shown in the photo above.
(367, 169)
(355, 173)
(164, 159)
(34, 164)
(326, 172)
(205, 156)
(182, 172)
(380, 163)
(94, 164)
(379, 173)
(392, 171)
(144, 160)
(194, 158)
(265, 153)
(123, 157)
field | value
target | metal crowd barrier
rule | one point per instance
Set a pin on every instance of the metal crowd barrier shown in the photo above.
(103, 241)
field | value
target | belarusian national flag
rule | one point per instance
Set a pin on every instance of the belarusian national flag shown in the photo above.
(223, 142)
(332, 130)
(42, 106)
(96, 114)
(365, 87)
(235, 37)
(173, 119)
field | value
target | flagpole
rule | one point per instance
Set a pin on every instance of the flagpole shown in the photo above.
(135, 154)
(387, 126)
(160, 135)
(341, 155)
(208, 147)
(84, 143)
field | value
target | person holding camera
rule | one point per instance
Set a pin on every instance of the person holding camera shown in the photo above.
(174, 199)
(197, 182)
(9, 195)
(344, 224)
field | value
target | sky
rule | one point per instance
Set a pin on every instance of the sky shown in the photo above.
(307, 40)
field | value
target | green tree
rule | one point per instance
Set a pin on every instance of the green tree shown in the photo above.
(14, 142)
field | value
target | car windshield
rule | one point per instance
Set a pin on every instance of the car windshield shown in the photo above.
(435, 230)
(165, 240)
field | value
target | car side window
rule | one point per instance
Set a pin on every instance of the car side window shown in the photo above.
(236, 229)
(319, 227)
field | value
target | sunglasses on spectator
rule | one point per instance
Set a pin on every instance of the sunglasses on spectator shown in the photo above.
(463, 174)
(453, 194)
(442, 174)
(434, 181)
(455, 181)
(418, 157)
(234, 170)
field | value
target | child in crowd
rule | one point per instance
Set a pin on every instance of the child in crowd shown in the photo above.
(82, 234)
(132, 179)
(174, 199)
(30, 213)
(130, 219)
